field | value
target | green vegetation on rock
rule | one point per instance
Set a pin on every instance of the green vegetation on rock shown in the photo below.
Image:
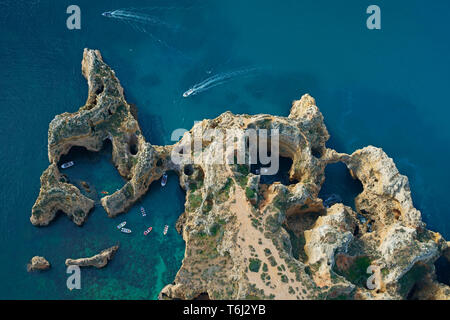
(195, 200)
(250, 193)
(357, 272)
(255, 264)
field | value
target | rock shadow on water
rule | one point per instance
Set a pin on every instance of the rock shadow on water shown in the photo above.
(152, 126)
(150, 80)
(339, 186)
(443, 270)
(282, 175)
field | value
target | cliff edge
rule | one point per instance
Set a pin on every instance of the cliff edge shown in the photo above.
(246, 238)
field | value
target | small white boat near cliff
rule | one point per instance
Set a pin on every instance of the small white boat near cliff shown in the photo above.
(67, 165)
(164, 179)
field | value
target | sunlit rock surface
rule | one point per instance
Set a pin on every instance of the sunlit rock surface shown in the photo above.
(38, 264)
(99, 260)
(246, 239)
(58, 195)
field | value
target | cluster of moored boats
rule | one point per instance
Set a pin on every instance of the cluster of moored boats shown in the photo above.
(122, 229)
(122, 225)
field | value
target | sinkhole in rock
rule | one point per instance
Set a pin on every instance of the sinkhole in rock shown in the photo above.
(316, 152)
(188, 169)
(133, 143)
(281, 176)
(339, 186)
(296, 225)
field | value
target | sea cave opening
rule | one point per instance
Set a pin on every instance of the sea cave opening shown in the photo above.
(339, 186)
(133, 144)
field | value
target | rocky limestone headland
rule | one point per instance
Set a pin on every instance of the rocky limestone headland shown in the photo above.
(38, 264)
(246, 239)
(99, 260)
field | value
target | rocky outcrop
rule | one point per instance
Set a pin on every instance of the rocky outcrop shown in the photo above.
(106, 115)
(99, 260)
(58, 195)
(332, 231)
(386, 194)
(246, 239)
(38, 264)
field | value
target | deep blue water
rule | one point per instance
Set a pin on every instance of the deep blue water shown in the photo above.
(387, 88)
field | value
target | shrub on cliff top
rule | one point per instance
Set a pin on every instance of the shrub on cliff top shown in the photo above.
(357, 272)
(243, 169)
(224, 193)
(255, 264)
(195, 201)
(250, 193)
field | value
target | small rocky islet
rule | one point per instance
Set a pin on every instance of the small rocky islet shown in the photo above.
(98, 261)
(245, 239)
(38, 263)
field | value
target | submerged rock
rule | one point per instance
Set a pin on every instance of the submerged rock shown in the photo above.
(245, 239)
(38, 264)
(99, 260)
(85, 186)
(331, 200)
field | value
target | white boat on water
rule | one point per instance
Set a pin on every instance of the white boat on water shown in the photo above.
(125, 230)
(120, 226)
(143, 212)
(67, 165)
(166, 228)
(188, 92)
(164, 180)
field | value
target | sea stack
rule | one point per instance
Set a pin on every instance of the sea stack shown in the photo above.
(38, 264)
(98, 261)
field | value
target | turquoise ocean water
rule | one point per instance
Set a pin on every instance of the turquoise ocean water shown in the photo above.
(388, 88)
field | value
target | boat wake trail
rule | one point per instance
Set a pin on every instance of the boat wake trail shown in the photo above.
(138, 19)
(194, 5)
(148, 24)
(219, 79)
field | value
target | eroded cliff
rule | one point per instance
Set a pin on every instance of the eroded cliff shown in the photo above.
(239, 231)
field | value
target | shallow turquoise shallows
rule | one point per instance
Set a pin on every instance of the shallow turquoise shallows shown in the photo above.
(387, 88)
